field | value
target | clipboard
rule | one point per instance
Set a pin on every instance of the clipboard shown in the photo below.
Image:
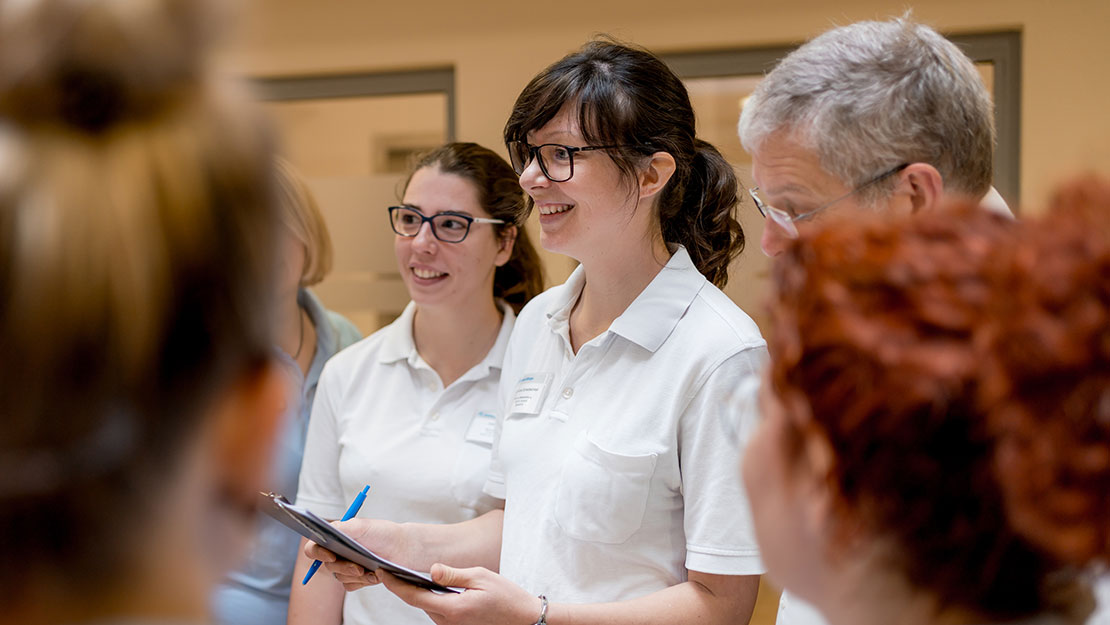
(312, 527)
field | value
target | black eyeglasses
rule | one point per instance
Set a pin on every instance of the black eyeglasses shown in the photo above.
(556, 160)
(447, 227)
(786, 221)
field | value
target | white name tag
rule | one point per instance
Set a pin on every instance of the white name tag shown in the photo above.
(528, 396)
(482, 428)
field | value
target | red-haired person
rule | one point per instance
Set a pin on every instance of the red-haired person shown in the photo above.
(935, 418)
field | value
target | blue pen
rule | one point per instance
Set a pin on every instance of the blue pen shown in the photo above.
(347, 516)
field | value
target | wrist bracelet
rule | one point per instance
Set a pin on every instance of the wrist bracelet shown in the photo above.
(543, 611)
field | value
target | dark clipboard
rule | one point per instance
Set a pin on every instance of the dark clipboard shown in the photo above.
(312, 527)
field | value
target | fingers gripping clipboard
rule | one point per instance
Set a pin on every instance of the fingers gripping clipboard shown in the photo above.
(312, 527)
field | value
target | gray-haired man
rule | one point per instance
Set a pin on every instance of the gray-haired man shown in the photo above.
(881, 116)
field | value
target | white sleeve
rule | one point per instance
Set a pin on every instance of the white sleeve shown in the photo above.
(720, 538)
(320, 489)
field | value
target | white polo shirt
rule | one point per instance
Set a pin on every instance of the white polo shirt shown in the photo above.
(382, 417)
(620, 466)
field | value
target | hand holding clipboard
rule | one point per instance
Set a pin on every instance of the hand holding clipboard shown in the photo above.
(312, 527)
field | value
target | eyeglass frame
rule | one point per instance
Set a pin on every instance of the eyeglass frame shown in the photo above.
(426, 219)
(786, 221)
(534, 155)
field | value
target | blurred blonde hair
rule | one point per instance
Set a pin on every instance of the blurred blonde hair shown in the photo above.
(301, 215)
(137, 237)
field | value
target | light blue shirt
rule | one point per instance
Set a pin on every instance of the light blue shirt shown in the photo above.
(258, 592)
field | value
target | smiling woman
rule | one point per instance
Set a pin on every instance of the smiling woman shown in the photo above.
(410, 410)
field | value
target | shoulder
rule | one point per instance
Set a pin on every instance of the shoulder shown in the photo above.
(355, 358)
(346, 333)
(713, 319)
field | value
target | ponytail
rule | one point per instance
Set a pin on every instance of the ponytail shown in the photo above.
(702, 218)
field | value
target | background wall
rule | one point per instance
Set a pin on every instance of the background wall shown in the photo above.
(496, 46)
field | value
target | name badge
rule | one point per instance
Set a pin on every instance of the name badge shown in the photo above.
(482, 428)
(528, 396)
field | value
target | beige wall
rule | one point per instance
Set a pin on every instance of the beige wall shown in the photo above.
(496, 46)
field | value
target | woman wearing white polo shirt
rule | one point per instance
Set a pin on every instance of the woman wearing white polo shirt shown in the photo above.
(411, 410)
(623, 389)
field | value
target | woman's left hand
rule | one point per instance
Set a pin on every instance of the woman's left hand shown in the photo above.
(490, 599)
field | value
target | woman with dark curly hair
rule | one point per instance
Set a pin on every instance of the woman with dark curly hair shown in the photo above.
(937, 417)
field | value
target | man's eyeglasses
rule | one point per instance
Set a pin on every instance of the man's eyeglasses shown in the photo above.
(786, 221)
(556, 160)
(447, 227)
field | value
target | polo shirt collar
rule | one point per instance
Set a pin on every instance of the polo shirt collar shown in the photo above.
(655, 312)
(399, 343)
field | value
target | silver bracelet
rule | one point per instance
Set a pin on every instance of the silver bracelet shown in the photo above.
(543, 611)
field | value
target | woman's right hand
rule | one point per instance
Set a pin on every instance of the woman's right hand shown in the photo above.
(385, 538)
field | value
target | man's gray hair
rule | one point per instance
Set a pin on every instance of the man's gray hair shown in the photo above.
(870, 96)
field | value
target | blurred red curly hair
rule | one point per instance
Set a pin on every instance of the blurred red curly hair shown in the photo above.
(1048, 378)
(957, 363)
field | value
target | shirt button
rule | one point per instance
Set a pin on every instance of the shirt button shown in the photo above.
(568, 392)
(435, 416)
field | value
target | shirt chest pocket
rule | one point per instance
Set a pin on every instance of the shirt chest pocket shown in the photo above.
(602, 496)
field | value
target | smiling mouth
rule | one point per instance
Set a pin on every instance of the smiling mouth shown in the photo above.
(426, 274)
(553, 209)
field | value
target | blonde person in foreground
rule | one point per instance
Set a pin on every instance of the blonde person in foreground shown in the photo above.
(622, 390)
(935, 447)
(138, 237)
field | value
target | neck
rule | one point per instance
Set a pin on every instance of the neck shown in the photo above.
(296, 334)
(290, 324)
(454, 339)
(614, 279)
(865, 591)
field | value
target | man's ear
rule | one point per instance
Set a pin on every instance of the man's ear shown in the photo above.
(658, 173)
(920, 186)
(505, 243)
(246, 421)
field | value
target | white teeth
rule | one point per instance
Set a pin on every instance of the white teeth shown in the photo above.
(427, 275)
(551, 209)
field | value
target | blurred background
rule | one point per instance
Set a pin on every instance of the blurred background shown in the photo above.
(358, 87)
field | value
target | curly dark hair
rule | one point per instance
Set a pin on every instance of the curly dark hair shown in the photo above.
(933, 352)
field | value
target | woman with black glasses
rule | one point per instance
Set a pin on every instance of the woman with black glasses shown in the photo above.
(411, 410)
(624, 389)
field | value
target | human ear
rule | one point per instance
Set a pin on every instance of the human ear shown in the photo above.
(921, 185)
(657, 174)
(505, 243)
(814, 476)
